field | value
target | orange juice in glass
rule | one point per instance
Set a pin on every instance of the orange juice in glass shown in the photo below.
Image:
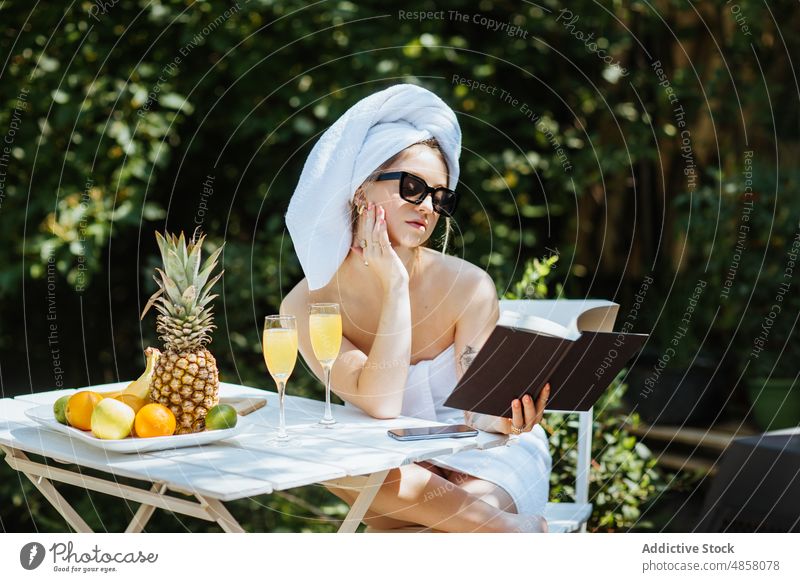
(280, 354)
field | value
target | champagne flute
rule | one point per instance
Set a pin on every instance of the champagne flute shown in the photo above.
(325, 327)
(280, 354)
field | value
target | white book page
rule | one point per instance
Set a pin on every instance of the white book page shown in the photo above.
(538, 324)
(575, 315)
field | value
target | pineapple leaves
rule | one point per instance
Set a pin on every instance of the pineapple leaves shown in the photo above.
(193, 265)
(208, 266)
(182, 248)
(176, 268)
(162, 245)
(208, 299)
(173, 292)
(151, 301)
(189, 297)
(185, 319)
(208, 287)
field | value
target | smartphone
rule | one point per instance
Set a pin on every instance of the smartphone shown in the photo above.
(433, 432)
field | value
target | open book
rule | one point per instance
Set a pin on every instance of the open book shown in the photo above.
(569, 343)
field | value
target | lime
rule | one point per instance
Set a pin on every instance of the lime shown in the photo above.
(60, 409)
(221, 416)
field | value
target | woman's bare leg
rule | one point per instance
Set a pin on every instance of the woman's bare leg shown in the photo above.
(371, 518)
(494, 495)
(377, 520)
(417, 495)
(487, 491)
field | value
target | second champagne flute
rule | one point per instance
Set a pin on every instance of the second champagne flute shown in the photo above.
(325, 327)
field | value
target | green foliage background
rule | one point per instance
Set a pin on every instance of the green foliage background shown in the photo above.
(119, 117)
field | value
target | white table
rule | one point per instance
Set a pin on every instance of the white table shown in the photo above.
(358, 455)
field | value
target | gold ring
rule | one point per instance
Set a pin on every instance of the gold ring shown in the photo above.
(515, 430)
(363, 243)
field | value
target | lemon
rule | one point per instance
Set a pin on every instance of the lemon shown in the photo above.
(221, 416)
(112, 419)
(60, 409)
(132, 400)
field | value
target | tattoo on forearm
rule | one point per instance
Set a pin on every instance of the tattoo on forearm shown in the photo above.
(467, 357)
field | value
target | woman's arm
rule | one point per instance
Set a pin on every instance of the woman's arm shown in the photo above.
(474, 327)
(380, 386)
(375, 384)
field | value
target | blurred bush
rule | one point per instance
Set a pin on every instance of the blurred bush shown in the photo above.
(122, 115)
(746, 243)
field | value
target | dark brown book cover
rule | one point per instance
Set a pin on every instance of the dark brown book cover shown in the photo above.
(514, 362)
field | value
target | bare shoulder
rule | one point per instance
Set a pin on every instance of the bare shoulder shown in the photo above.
(296, 300)
(477, 308)
(462, 276)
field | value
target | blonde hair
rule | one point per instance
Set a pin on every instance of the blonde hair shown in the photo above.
(431, 143)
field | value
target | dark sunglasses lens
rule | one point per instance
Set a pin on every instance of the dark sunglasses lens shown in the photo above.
(445, 201)
(411, 188)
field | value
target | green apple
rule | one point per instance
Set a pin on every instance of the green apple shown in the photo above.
(112, 419)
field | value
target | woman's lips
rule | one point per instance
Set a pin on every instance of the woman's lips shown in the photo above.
(420, 225)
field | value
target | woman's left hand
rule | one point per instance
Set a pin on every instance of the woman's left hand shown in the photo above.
(525, 414)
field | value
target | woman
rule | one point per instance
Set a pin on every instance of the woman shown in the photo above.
(413, 318)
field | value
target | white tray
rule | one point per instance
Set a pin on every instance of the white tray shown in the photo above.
(45, 417)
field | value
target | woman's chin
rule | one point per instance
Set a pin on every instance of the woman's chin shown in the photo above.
(408, 242)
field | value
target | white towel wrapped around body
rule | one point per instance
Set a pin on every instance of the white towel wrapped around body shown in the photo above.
(365, 136)
(522, 468)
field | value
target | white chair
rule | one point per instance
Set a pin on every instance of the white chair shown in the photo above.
(572, 516)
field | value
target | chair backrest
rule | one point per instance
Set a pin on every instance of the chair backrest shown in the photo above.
(532, 306)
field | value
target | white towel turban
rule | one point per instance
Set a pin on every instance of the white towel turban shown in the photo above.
(364, 137)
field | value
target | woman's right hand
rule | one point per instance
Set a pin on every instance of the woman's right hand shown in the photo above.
(378, 256)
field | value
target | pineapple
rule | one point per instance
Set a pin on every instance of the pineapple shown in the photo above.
(186, 379)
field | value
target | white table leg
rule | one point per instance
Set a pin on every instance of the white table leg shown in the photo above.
(145, 511)
(46, 488)
(41, 476)
(220, 513)
(358, 510)
(56, 500)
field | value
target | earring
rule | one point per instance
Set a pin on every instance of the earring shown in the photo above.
(360, 208)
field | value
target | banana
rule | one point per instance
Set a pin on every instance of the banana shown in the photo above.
(139, 389)
(141, 386)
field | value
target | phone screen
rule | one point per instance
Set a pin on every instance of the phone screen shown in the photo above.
(434, 431)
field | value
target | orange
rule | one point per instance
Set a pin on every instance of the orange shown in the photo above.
(80, 407)
(154, 420)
